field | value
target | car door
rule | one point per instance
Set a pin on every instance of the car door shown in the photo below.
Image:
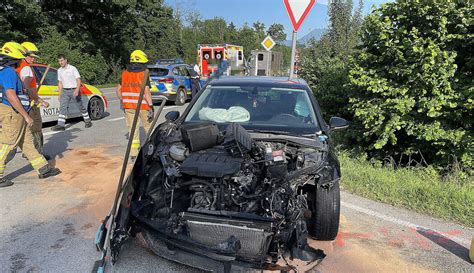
(186, 79)
(48, 92)
(178, 79)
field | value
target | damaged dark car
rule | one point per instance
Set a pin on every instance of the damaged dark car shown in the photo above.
(242, 179)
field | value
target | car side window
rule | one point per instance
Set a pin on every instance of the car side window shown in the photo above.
(176, 71)
(184, 71)
(50, 79)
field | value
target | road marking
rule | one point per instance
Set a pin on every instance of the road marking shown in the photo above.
(51, 133)
(403, 222)
(115, 119)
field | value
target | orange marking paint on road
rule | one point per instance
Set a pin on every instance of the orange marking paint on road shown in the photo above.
(342, 236)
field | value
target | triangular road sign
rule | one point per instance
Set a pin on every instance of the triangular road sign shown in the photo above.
(298, 10)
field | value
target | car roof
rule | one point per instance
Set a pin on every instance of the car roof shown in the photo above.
(43, 65)
(283, 82)
(165, 66)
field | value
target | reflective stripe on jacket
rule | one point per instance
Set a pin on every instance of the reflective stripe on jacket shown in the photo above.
(131, 83)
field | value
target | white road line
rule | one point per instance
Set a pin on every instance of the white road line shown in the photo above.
(115, 119)
(397, 221)
(51, 133)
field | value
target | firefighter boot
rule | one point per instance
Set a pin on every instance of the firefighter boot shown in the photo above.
(47, 171)
(5, 182)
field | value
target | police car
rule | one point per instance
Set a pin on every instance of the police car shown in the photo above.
(170, 78)
(92, 99)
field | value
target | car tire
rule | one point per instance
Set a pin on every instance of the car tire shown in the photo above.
(96, 108)
(180, 97)
(325, 211)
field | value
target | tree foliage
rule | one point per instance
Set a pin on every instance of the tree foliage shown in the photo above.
(98, 36)
(325, 62)
(277, 32)
(412, 81)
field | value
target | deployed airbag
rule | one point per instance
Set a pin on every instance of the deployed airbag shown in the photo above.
(233, 114)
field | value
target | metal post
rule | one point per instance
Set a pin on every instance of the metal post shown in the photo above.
(293, 53)
(256, 65)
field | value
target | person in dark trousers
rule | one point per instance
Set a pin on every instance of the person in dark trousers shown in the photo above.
(69, 85)
(195, 82)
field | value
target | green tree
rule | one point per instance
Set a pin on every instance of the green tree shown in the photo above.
(90, 66)
(413, 80)
(247, 39)
(277, 32)
(259, 30)
(20, 28)
(232, 34)
(324, 65)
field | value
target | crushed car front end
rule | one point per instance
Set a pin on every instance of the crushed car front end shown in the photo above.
(222, 197)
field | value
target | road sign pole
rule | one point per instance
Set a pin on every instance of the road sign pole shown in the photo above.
(293, 53)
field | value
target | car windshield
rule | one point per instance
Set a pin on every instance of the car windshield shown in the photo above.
(259, 109)
(158, 72)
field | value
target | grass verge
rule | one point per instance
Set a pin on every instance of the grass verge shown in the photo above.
(420, 189)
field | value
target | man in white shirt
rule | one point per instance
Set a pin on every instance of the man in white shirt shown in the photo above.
(69, 84)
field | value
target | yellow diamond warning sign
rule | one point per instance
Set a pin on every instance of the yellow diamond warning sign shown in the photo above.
(268, 43)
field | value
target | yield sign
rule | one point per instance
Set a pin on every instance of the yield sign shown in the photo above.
(298, 10)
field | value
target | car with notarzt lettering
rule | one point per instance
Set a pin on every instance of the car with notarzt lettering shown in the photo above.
(240, 180)
(92, 98)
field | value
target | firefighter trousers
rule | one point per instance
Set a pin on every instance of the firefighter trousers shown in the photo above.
(16, 134)
(129, 113)
(36, 129)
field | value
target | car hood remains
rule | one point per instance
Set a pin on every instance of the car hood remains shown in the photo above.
(222, 197)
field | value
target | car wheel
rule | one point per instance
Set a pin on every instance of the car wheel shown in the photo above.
(325, 212)
(96, 108)
(180, 97)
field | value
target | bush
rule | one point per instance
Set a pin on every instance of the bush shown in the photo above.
(412, 93)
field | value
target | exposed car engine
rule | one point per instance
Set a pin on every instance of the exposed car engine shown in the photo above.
(228, 192)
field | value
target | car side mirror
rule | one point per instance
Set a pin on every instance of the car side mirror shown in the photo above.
(337, 123)
(172, 116)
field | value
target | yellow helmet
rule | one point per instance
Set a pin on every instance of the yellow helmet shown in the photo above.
(31, 49)
(138, 56)
(13, 50)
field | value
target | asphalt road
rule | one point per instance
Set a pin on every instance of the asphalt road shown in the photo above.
(49, 225)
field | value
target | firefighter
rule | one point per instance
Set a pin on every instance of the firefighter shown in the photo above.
(26, 75)
(14, 117)
(128, 91)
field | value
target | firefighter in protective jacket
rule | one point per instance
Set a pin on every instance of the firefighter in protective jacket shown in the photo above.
(14, 108)
(128, 90)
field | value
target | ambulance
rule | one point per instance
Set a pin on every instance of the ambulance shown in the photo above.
(210, 56)
(92, 99)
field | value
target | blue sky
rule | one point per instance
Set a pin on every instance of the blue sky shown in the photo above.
(265, 11)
